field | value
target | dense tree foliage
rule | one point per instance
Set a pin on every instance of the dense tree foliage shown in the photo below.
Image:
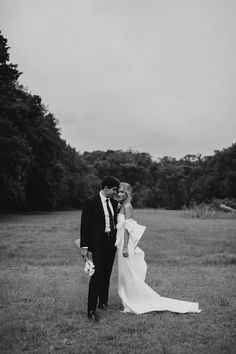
(39, 170)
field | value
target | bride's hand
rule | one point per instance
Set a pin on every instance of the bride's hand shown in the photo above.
(125, 252)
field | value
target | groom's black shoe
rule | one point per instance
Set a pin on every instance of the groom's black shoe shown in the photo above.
(105, 307)
(93, 316)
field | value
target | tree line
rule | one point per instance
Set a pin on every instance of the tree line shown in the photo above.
(40, 171)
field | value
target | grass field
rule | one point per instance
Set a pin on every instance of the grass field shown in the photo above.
(43, 290)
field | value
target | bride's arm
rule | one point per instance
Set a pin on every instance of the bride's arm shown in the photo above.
(128, 215)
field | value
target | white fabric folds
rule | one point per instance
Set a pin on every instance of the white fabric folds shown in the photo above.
(134, 229)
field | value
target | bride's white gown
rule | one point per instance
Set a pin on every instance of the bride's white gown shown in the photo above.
(135, 294)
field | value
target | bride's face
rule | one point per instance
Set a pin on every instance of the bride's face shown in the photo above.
(121, 195)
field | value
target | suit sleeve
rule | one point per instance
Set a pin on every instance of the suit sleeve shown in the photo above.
(86, 221)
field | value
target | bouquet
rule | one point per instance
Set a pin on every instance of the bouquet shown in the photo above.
(89, 266)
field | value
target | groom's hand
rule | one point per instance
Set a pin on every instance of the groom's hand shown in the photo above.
(84, 251)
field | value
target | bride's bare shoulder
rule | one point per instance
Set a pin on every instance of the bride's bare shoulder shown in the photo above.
(128, 211)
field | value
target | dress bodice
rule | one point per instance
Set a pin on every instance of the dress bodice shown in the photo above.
(120, 217)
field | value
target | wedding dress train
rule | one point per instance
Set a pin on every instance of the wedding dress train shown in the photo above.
(135, 294)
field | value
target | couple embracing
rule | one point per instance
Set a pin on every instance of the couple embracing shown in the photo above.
(107, 225)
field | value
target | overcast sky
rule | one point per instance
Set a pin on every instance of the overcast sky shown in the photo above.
(157, 76)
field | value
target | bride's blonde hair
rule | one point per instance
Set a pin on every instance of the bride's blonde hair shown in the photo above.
(128, 191)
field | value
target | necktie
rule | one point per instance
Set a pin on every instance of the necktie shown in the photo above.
(110, 216)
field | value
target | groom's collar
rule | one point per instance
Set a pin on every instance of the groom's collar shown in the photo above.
(103, 198)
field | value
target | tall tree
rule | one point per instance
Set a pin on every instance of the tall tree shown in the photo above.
(15, 151)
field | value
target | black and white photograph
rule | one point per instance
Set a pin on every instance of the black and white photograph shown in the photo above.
(117, 176)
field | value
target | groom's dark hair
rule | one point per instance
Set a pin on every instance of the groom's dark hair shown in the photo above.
(110, 182)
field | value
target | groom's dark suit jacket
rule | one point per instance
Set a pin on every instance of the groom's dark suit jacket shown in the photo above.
(92, 226)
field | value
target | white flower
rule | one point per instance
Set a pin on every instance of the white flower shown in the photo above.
(89, 267)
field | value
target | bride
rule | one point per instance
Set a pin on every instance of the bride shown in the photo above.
(135, 294)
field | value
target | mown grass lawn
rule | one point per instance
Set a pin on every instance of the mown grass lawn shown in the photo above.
(43, 290)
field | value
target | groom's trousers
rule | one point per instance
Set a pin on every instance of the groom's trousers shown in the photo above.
(103, 259)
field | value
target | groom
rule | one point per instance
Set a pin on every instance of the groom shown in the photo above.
(98, 235)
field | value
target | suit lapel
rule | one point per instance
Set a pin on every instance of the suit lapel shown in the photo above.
(99, 209)
(99, 203)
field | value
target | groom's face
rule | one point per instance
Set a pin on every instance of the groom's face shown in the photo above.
(110, 192)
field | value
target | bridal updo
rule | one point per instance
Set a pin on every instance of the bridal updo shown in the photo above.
(128, 191)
